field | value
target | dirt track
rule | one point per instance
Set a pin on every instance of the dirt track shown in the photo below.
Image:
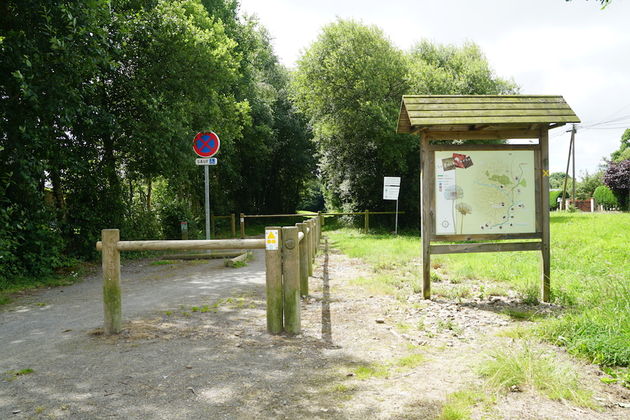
(195, 346)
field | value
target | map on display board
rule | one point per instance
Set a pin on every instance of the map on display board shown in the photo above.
(485, 192)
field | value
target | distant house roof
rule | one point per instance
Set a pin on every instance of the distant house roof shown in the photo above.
(482, 112)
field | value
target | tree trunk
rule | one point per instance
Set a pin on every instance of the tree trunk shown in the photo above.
(149, 192)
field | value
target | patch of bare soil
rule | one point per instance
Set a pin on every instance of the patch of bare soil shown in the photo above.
(360, 356)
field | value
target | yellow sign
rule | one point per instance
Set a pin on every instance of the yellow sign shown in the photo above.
(271, 240)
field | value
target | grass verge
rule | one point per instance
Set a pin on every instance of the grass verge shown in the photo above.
(385, 370)
(590, 276)
(65, 277)
(522, 367)
(459, 404)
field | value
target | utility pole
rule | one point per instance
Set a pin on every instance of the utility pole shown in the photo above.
(573, 131)
(566, 173)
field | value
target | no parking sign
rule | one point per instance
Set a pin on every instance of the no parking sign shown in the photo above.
(206, 144)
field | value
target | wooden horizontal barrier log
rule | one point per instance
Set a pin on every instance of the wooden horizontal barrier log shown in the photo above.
(198, 244)
(361, 213)
(254, 216)
(492, 247)
(242, 258)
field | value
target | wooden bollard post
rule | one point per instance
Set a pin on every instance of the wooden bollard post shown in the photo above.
(233, 224)
(273, 264)
(313, 236)
(319, 229)
(303, 260)
(309, 240)
(367, 221)
(321, 218)
(242, 225)
(112, 302)
(291, 279)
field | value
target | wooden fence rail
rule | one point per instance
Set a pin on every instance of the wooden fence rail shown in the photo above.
(287, 268)
(366, 214)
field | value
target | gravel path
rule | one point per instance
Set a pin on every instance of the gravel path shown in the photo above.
(46, 331)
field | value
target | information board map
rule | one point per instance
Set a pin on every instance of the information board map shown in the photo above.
(485, 192)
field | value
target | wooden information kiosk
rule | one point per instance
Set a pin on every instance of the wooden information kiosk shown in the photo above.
(484, 192)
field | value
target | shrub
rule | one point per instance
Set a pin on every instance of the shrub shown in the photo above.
(553, 199)
(172, 213)
(604, 196)
(140, 224)
(617, 177)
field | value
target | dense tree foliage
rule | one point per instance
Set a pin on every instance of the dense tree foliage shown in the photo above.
(99, 102)
(556, 180)
(623, 153)
(349, 83)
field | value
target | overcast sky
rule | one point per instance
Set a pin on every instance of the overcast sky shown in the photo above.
(572, 49)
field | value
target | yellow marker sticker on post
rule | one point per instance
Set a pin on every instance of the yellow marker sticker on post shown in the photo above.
(271, 240)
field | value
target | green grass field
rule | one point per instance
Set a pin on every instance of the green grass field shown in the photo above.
(590, 277)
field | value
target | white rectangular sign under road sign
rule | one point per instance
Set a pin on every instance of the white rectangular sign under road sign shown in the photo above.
(206, 161)
(271, 240)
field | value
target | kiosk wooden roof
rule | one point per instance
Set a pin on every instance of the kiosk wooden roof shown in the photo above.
(482, 116)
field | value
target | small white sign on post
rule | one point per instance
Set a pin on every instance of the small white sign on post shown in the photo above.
(206, 161)
(391, 190)
(391, 187)
(271, 240)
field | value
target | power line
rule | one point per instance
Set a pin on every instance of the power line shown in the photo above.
(623, 108)
(621, 119)
(621, 127)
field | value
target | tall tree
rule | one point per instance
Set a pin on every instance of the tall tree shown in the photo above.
(349, 83)
(99, 102)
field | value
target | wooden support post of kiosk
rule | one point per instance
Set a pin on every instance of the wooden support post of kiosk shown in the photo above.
(273, 267)
(544, 207)
(425, 188)
(111, 281)
(304, 249)
(291, 279)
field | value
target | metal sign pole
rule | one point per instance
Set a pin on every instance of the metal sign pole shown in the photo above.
(396, 228)
(207, 176)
